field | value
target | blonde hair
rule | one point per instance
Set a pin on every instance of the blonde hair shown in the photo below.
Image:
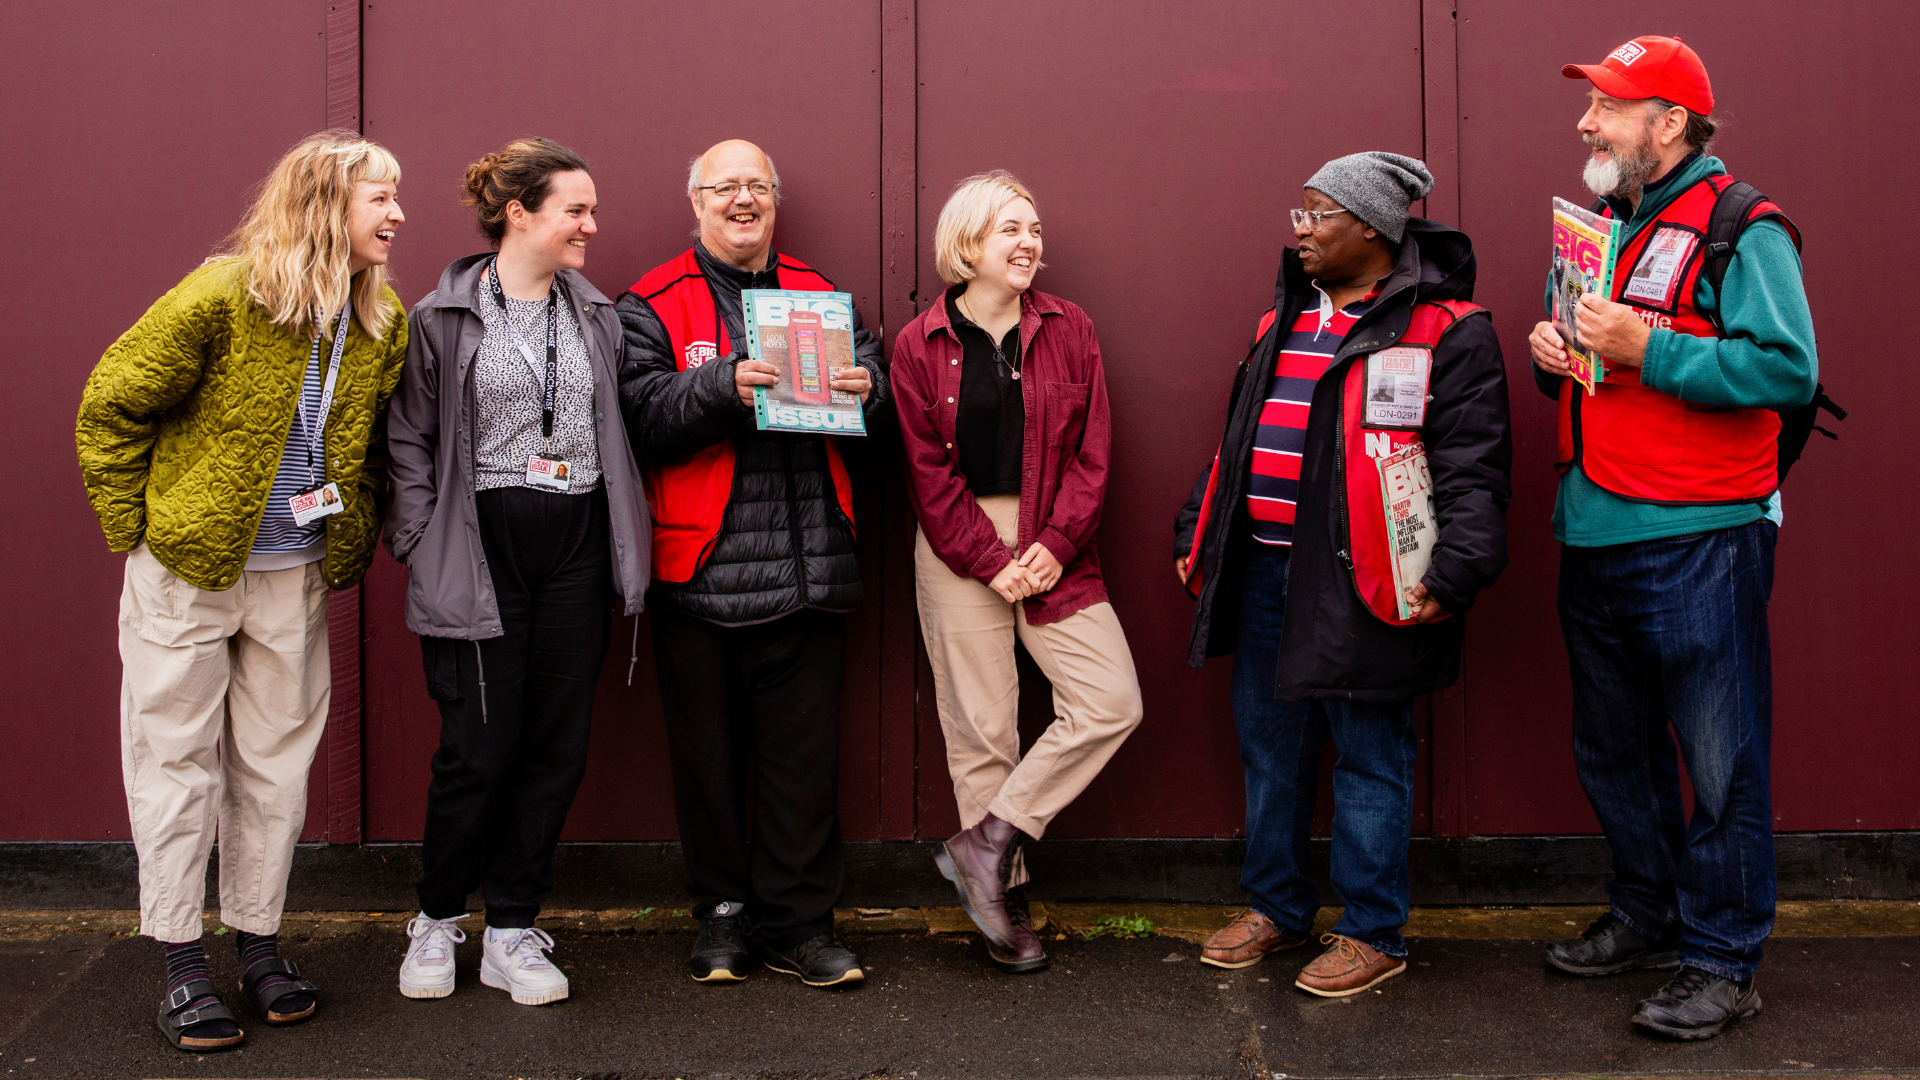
(294, 241)
(960, 236)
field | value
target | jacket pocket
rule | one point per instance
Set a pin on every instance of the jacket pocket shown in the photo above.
(1066, 413)
(441, 658)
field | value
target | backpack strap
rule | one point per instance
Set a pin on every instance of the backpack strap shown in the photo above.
(1737, 205)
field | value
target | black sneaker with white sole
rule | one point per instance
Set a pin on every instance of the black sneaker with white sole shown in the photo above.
(818, 961)
(720, 949)
(1610, 946)
(1696, 1004)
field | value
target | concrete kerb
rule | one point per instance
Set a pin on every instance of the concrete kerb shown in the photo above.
(1190, 923)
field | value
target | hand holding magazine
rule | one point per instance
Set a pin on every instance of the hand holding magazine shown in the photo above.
(1584, 248)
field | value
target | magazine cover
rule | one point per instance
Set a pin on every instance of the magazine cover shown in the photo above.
(807, 336)
(1584, 247)
(1412, 529)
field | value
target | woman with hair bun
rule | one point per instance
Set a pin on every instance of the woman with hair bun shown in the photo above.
(518, 510)
(1003, 409)
(225, 441)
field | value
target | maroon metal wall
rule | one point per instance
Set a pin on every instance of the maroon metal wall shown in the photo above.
(1164, 144)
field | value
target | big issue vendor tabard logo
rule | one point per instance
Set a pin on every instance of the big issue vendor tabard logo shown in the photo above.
(699, 352)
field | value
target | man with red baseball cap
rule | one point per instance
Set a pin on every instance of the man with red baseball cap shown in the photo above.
(1668, 508)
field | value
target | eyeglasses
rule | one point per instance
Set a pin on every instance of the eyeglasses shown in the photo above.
(1312, 218)
(760, 189)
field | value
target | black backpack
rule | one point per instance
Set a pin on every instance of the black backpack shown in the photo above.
(1732, 213)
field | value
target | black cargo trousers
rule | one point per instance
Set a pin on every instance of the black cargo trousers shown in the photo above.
(516, 710)
(761, 702)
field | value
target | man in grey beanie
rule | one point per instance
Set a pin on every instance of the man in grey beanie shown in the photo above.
(1372, 350)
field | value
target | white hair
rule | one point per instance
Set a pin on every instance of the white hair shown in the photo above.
(693, 174)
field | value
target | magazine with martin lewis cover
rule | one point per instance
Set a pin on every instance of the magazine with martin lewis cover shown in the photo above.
(807, 337)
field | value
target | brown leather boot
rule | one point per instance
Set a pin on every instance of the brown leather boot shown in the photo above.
(976, 862)
(1027, 953)
(1242, 942)
(1347, 968)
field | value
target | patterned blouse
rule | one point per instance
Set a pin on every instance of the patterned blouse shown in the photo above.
(508, 394)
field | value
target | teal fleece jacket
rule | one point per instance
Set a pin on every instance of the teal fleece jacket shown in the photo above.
(1767, 360)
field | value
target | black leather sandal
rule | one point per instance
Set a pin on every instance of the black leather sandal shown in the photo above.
(265, 1001)
(176, 1018)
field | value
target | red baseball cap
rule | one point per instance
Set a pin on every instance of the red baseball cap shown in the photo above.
(1651, 66)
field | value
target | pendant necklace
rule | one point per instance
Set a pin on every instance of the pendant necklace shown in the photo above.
(999, 357)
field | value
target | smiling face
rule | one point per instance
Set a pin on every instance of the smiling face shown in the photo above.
(372, 217)
(737, 228)
(554, 237)
(1010, 252)
(1338, 247)
(1620, 139)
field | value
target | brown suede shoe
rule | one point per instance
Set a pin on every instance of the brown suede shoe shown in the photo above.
(1242, 942)
(1347, 968)
(1027, 953)
(976, 861)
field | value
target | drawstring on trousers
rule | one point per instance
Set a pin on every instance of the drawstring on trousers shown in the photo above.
(480, 660)
(634, 660)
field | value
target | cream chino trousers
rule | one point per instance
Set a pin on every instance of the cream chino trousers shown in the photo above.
(970, 633)
(223, 698)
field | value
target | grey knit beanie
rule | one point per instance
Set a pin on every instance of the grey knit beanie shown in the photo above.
(1376, 186)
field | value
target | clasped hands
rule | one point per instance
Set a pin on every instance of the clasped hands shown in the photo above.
(1610, 329)
(749, 373)
(1029, 575)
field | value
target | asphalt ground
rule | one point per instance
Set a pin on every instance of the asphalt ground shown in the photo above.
(78, 1001)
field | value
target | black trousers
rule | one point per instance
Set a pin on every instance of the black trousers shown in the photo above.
(760, 701)
(516, 710)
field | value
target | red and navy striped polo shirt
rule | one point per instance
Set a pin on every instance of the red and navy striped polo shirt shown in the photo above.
(1281, 438)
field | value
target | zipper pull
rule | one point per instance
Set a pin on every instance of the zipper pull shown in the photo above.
(1345, 558)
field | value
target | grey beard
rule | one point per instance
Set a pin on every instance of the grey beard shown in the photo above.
(1620, 177)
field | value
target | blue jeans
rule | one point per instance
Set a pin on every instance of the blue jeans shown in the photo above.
(1280, 744)
(1674, 631)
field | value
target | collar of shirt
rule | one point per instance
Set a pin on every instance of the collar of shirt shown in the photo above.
(1327, 311)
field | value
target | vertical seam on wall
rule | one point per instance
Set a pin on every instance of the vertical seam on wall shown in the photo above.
(346, 629)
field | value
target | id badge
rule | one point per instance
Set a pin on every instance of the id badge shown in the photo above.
(549, 473)
(1396, 388)
(315, 503)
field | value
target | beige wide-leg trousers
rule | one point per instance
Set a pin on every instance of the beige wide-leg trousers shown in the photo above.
(223, 697)
(970, 633)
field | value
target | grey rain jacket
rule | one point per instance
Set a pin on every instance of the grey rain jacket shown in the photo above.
(450, 594)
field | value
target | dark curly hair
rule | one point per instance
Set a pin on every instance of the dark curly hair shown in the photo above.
(523, 171)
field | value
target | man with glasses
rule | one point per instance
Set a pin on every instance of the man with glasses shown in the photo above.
(754, 568)
(1287, 543)
(1667, 509)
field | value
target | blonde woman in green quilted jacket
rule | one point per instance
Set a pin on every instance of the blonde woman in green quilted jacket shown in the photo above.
(225, 441)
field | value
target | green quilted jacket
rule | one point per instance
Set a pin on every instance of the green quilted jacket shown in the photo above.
(183, 421)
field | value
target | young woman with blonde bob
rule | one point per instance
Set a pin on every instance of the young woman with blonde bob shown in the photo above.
(225, 444)
(1003, 408)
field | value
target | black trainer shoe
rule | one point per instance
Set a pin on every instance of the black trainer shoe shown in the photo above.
(820, 961)
(1696, 1005)
(1610, 946)
(720, 951)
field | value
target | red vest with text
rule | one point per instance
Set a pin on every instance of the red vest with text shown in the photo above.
(1366, 511)
(1646, 446)
(689, 498)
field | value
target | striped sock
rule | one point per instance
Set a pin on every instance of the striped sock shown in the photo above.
(257, 947)
(187, 961)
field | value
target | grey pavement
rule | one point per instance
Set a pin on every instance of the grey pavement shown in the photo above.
(82, 1005)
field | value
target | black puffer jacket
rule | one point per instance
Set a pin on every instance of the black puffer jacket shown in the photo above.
(1332, 645)
(784, 543)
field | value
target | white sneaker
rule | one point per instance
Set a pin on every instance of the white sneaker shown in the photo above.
(427, 972)
(516, 961)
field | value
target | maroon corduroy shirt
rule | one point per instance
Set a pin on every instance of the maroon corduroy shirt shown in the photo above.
(1065, 452)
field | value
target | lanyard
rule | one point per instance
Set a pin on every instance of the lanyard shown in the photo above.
(553, 345)
(326, 388)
